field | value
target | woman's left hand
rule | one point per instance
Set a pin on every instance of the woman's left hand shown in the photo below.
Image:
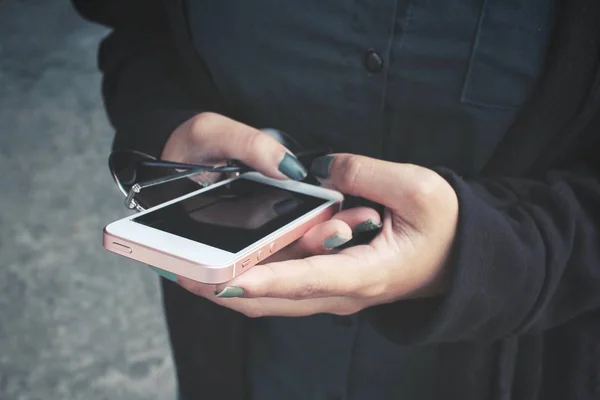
(405, 260)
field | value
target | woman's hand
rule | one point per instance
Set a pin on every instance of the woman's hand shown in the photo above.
(405, 260)
(210, 138)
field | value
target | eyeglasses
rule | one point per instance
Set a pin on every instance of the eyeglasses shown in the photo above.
(134, 171)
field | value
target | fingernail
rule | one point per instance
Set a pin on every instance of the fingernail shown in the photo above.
(334, 241)
(292, 168)
(366, 226)
(165, 274)
(321, 167)
(230, 291)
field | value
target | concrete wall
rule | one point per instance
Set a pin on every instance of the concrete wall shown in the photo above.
(76, 322)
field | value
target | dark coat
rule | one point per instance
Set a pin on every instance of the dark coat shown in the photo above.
(521, 319)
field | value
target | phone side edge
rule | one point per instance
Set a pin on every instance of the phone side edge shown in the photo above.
(284, 238)
(208, 274)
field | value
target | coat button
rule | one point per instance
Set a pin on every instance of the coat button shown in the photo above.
(373, 62)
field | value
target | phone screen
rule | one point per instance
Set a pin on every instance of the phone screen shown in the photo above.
(232, 216)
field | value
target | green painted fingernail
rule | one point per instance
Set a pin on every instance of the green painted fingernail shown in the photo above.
(334, 241)
(292, 168)
(165, 274)
(366, 226)
(321, 167)
(230, 291)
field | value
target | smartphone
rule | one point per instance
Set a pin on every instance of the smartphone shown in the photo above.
(216, 233)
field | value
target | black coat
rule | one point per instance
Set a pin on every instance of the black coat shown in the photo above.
(521, 320)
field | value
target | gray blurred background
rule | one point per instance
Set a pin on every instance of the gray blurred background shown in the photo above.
(76, 322)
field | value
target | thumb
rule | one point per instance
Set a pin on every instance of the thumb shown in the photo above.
(408, 190)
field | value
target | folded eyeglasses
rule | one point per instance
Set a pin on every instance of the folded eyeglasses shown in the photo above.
(134, 171)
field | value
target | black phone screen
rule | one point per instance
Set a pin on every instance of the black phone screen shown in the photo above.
(232, 216)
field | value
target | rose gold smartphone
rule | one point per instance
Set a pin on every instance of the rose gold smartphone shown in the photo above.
(216, 233)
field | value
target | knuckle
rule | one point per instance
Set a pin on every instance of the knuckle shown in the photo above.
(424, 189)
(203, 121)
(194, 288)
(252, 313)
(305, 247)
(310, 290)
(258, 291)
(255, 141)
(266, 287)
(342, 311)
(353, 168)
(370, 291)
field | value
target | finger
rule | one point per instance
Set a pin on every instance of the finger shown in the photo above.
(326, 236)
(263, 307)
(320, 239)
(198, 288)
(329, 275)
(229, 139)
(270, 307)
(360, 219)
(404, 188)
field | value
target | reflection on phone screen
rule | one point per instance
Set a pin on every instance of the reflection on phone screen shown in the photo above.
(232, 216)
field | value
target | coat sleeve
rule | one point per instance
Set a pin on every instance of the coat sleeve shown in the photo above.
(145, 88)
(526, 258)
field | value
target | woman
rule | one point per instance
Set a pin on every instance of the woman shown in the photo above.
(464, 134)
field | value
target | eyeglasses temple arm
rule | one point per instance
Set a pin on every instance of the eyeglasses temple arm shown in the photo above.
(135, 189)
(193, 170)
(231, 166)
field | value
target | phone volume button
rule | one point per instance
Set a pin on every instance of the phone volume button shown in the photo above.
(259, 255)
(272, 247)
